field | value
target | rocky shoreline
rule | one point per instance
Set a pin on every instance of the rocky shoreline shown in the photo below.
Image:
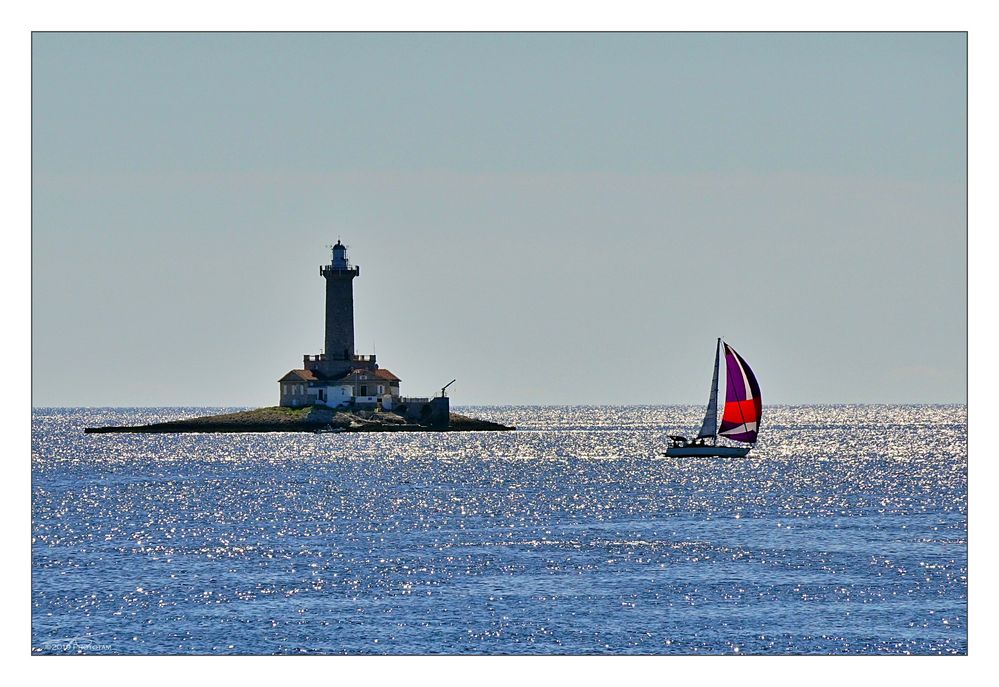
(309, 419)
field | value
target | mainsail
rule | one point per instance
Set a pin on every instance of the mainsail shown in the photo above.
(743, 405)
(709, 428)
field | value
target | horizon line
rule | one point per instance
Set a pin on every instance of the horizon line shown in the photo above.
(553, 405)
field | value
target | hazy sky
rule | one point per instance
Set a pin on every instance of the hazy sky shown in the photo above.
(549, 218)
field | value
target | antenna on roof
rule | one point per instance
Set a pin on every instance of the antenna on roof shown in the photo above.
(444, 388)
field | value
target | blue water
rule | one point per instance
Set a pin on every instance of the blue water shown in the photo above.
(843, 532)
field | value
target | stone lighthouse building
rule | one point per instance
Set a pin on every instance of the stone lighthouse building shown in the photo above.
(338, 376)
(339, 276)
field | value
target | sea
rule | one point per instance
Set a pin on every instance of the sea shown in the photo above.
(843, 532)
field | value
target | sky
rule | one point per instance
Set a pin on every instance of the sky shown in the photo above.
(548, 218)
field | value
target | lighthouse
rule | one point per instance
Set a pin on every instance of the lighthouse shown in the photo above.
(338, 376)
(339, 275)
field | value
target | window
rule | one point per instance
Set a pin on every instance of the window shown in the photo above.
(381, 389)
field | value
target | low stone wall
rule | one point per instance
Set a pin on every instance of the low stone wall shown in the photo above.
(434, 412)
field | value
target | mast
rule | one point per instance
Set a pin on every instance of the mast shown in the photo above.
(709, 428)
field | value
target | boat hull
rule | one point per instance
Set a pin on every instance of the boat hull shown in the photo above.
(707, 451)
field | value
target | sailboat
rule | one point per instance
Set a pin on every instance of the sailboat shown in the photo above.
(740, 419)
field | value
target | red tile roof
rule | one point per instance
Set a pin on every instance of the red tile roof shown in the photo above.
(380, 373)
(299, 376)
(309, 376)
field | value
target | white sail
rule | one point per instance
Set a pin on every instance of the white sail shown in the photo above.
(709, 428)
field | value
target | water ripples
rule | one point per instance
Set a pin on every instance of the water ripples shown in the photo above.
(844, 531)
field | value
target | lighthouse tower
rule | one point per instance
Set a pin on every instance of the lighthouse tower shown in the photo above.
(339, 276)
(338, 376)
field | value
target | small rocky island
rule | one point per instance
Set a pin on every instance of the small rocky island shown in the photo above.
(308, 419)
(336, 390)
